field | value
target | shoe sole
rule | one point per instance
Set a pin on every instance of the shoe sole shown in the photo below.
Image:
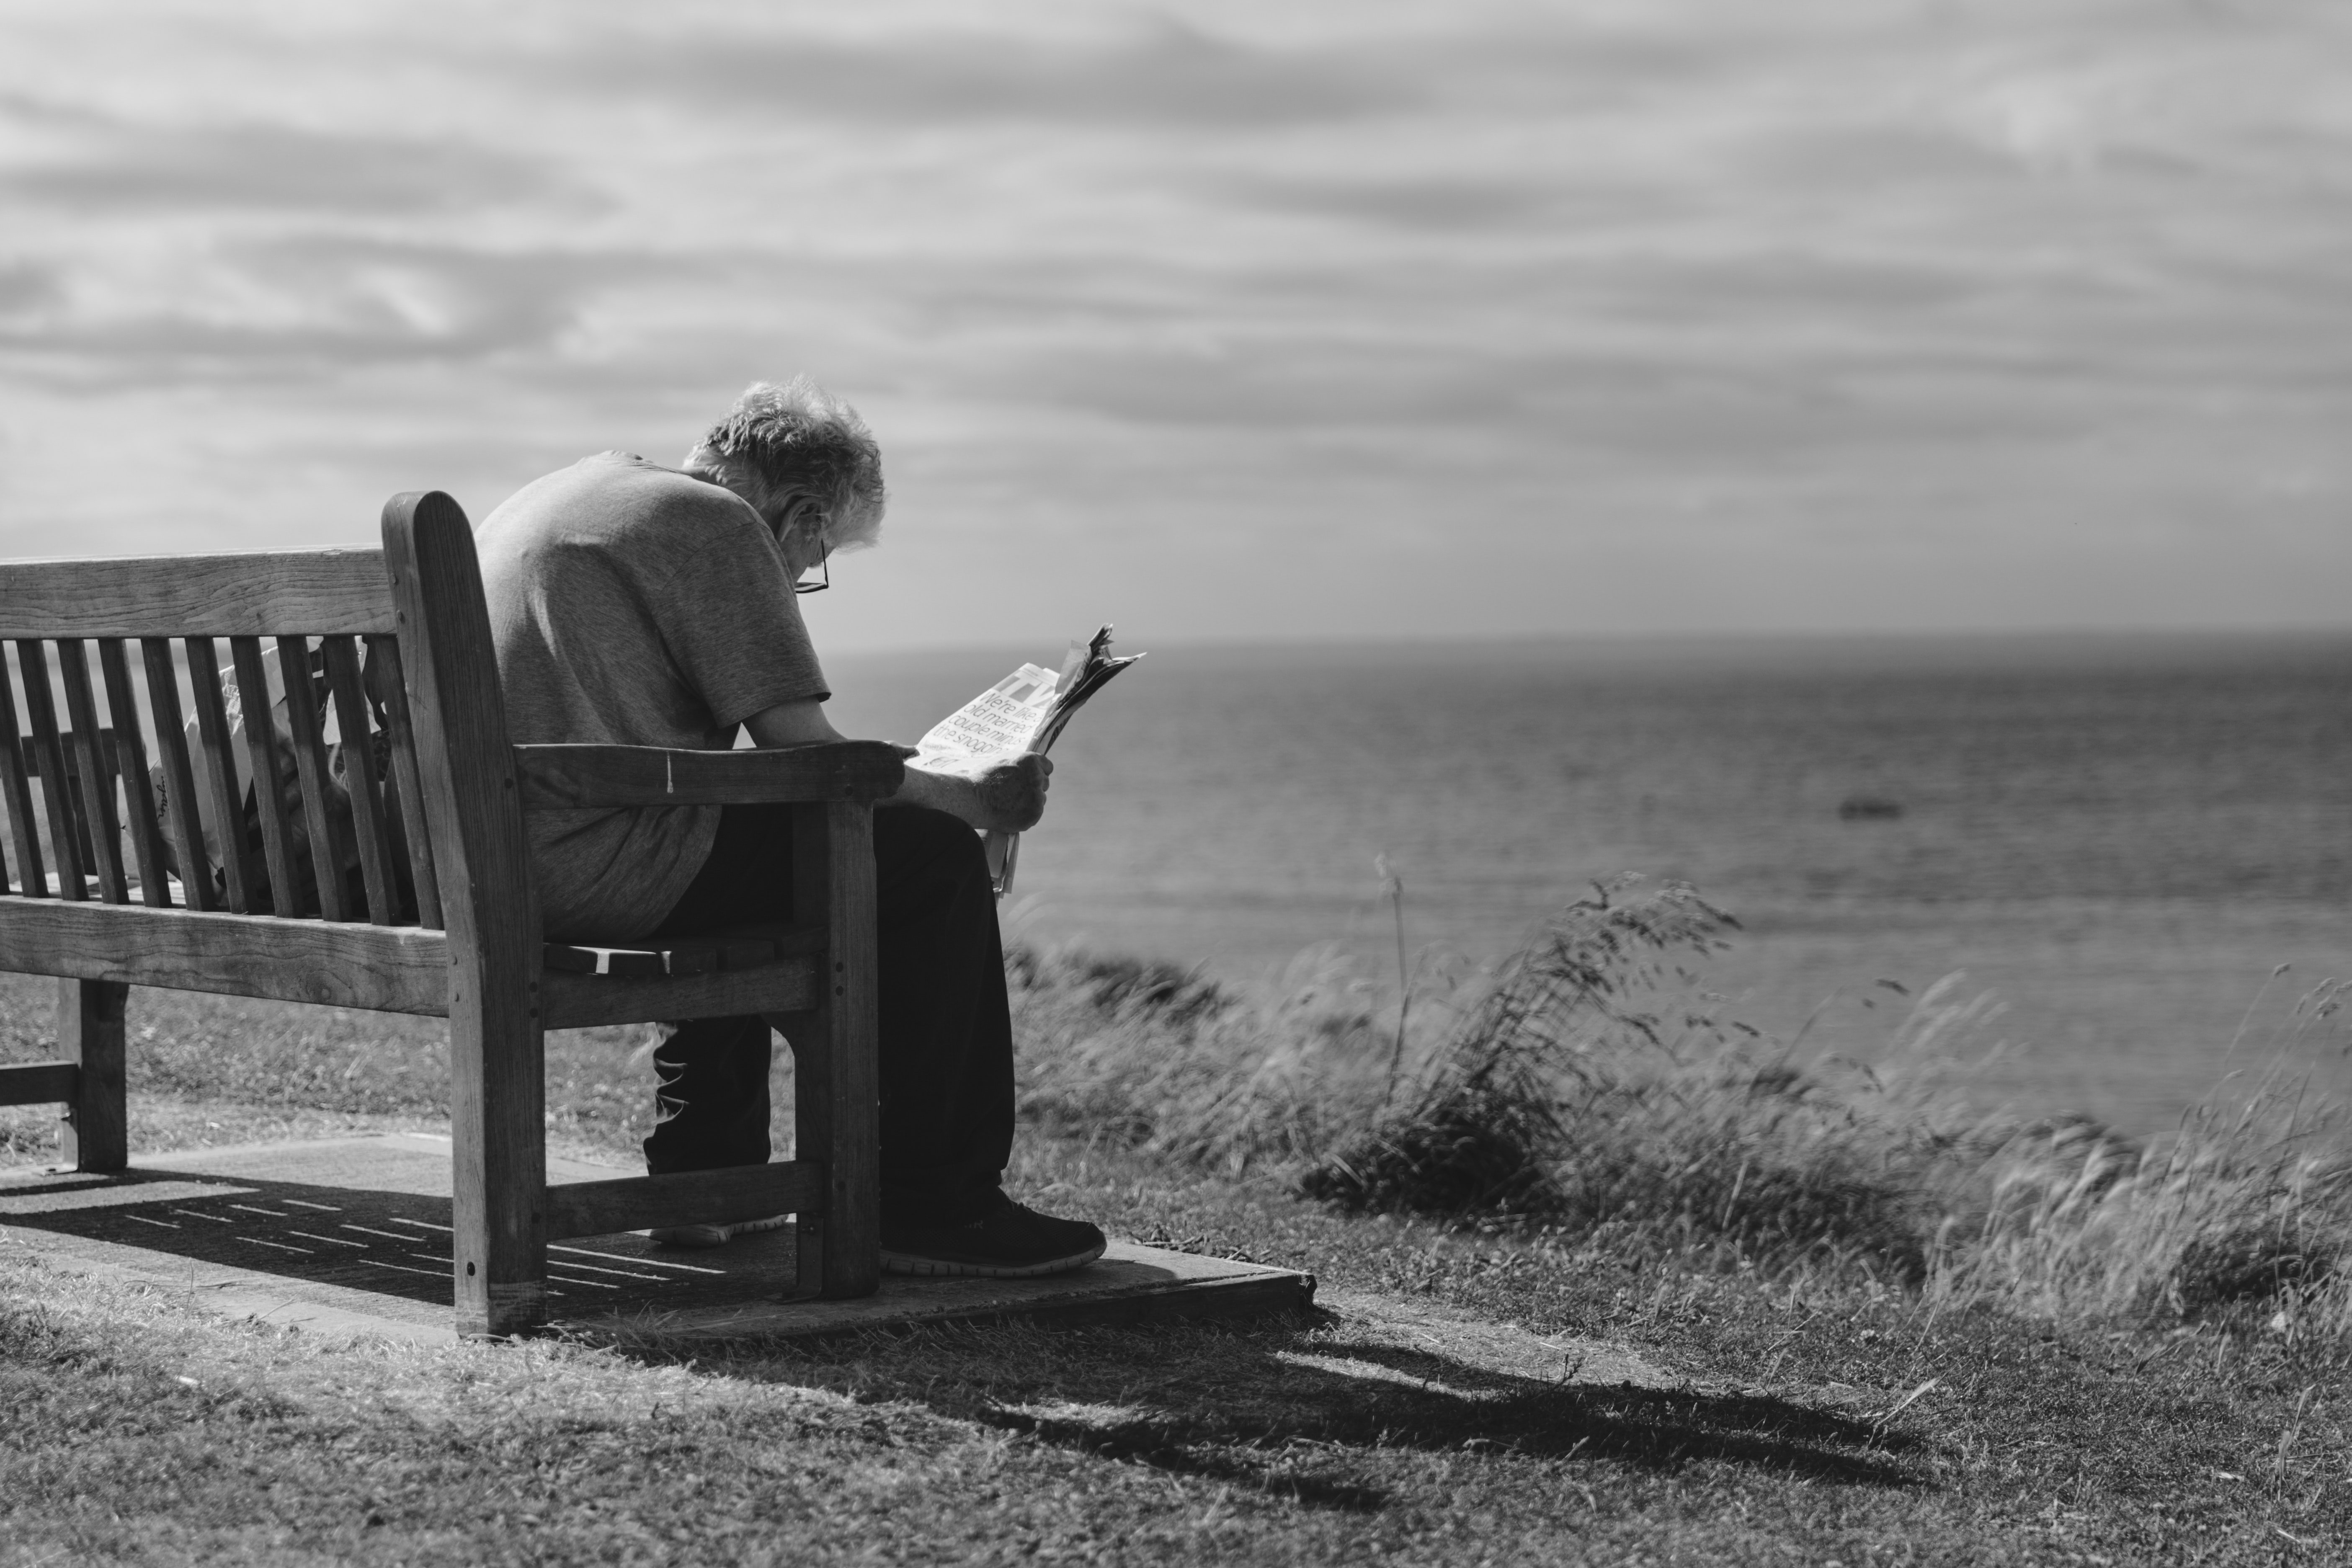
(702, 1237)
(914, 1265)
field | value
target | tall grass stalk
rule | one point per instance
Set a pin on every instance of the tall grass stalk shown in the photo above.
(1392, 887)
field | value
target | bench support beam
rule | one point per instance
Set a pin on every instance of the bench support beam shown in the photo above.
(39, 1083)
(837, 1088)
(498, 1091)
(89, 1033)
(683, 1198)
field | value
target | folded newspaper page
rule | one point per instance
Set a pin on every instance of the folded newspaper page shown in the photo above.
(1025, 711)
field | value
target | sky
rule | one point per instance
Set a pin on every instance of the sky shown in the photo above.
(1232, 322)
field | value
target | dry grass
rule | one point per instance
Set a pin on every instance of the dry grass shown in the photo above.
(1590, 1085)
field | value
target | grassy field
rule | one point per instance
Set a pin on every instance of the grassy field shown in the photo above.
(1601, 1285)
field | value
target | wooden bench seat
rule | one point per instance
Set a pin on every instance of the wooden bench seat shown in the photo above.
(110, 811)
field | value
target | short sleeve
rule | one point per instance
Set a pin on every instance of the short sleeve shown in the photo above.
(726, 611)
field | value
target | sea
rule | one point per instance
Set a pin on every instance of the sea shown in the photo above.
(2138, 848)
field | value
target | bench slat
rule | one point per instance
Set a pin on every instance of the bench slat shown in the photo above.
(30, 875)
(744, 948)
(581, 1001)
(179, 778)
(260, 727)
(387, 969)
(40, 709)
(575, 777)
(358, 773)
(310, 766)
(44, 1083)
(221, 793)
(252, 594)
(95, 764)
(131, 761)
(404, 790)
(684, 1197)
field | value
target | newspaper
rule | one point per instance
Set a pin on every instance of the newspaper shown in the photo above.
(1025, 711)
(1000, 722)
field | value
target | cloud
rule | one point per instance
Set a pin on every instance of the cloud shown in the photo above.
(26, 289)
(228, 169)
(1163, 75)
(1327, 270)
(312, 304)
(1426, 205)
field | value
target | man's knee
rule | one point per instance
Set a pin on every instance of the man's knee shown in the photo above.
(908, 838)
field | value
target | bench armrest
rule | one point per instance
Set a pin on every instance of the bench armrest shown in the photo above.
(566, 778)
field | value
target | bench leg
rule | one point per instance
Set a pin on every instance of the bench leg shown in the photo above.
(836, 1081)
(89, 1033)
(497, 1093)
(811, 1136)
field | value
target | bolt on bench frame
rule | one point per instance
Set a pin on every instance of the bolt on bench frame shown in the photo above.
(451, 810)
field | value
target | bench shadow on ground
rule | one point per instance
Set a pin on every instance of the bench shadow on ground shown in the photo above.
(389, 1248)
(1294, 1406)
(1301, 1405)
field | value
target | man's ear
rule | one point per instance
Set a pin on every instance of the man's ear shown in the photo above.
(795, 510)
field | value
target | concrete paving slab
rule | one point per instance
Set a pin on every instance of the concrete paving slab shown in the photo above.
(350, 1236)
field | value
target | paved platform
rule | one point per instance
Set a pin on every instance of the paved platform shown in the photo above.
(351, 1235)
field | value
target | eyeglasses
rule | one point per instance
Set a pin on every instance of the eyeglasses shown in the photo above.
(824, 572)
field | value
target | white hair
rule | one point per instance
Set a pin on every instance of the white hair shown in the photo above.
(799, 439)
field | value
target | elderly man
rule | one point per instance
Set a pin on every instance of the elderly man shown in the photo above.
(652, 606)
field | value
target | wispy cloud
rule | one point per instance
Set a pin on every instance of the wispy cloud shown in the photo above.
(1161, 74)
(308, 306)
(228, 169)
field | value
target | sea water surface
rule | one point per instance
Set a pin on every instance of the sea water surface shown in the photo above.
(2121, 837)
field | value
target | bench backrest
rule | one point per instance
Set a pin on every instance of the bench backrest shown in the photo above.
(153, 763)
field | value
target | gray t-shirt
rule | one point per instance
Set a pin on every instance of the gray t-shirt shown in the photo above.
(633, 606)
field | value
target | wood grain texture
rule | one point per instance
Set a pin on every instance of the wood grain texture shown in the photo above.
(307, 725)
(686, 1197)
(41, 712)
(574, 777)
(258, 594)
(259, 723)
(809, 1033)
(735, 947)
(853, 1210)
(179, 777)
(404, 792)
(70, 740)
(225, 804)
(130, 750)
(353, 724)
(575, 1000)
(97, 1134)
(390, 969)
(93, 765)
(465, 771)
(16, 794)
(836, 1085)
(698, 958)
(39, 1083)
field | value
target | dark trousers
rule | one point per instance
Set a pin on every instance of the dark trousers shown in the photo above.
(946, 1030)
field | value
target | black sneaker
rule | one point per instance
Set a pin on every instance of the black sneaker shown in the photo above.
(1009, 1243)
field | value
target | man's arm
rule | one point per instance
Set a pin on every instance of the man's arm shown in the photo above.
(1009, 797)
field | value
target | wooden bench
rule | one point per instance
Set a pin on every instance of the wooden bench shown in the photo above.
(443, 920)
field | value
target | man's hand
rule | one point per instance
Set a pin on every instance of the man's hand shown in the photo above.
(1007, 798)
(1012, 796)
